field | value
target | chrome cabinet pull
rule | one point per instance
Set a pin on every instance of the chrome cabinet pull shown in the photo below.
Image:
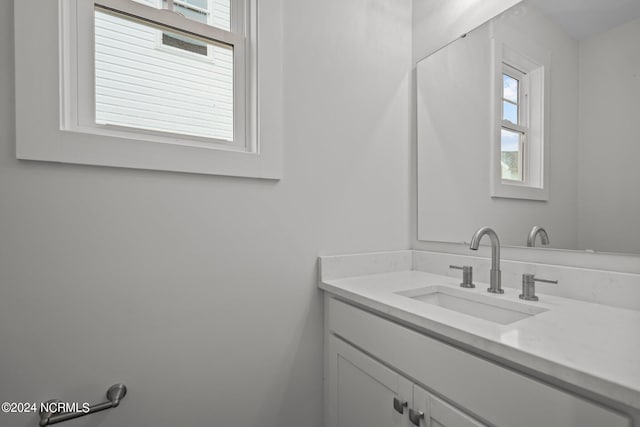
(415, 416)
(114, 395)
(399, 405)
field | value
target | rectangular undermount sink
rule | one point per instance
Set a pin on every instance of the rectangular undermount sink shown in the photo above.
(474, 304)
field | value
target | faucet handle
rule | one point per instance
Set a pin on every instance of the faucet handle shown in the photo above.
(529, 286)
(467, 275)
(535, 279)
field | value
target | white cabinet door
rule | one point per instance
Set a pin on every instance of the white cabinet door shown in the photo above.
(437, 413)
(362, 391)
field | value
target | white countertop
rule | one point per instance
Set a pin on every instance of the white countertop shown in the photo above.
(592, 346)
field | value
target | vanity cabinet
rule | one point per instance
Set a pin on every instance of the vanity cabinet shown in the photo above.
(368, 394)
(365, 391)
(371, 360)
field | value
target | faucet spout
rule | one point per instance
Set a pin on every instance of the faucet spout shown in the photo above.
(495, 274)
(531, 239)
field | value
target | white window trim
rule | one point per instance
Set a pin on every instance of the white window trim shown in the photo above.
(536, 163)
(43, 131)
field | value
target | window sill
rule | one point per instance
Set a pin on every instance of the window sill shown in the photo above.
(518, 191)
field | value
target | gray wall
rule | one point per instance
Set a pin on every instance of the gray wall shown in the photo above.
(609, 205)
(199, 292)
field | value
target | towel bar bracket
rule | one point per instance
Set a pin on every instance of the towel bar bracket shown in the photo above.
(114, 395)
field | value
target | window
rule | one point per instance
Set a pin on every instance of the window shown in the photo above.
(138, 86)
(153, 84)
(513, 132)
(142, 88)
(519, 157)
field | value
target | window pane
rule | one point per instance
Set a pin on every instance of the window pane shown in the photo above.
(510, 112)
(142, 83)
(511, 158)
(509, 88)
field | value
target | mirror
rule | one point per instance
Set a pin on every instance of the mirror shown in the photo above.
(533, 119)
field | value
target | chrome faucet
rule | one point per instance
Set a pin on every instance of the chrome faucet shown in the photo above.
(494, 282)
(531, 239)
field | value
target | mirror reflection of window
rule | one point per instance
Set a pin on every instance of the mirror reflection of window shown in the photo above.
(513, 126)
(511, 155)
(510, 88)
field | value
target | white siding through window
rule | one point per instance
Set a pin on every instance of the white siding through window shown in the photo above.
(221, 14)
(143, 84)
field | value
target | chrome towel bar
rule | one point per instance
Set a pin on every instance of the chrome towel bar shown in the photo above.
(114, 395)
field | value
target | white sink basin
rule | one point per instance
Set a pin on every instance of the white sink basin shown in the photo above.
(474, 304)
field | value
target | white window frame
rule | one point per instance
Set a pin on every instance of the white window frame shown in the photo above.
(521, 126)
(55, 93)
(533, 63)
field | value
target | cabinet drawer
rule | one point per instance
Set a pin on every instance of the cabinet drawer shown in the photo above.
(498, 395)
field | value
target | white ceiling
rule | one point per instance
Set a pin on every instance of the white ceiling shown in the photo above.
(582, 18)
